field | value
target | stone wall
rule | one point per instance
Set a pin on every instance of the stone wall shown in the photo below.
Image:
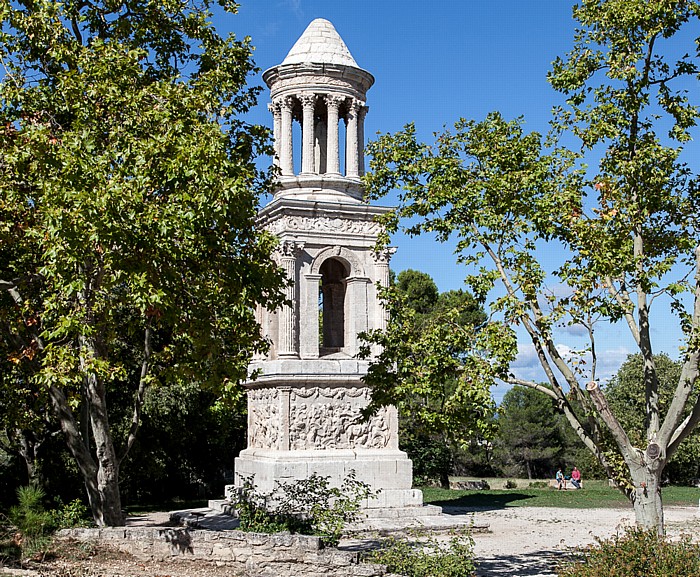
(252, 554)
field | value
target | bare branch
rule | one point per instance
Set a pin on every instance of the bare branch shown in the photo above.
(140, 393)
(541, 388)
(623, 299)
(618, 433)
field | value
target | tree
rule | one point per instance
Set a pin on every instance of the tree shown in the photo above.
(531, 435)
(626, 233)
(625, 394)
(422, 356)
(128, 195)
(430, 446)
(420, 290)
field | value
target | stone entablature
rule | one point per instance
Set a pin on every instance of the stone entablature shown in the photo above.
(354, 223)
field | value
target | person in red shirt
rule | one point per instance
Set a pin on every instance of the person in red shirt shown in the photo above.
(576, 478)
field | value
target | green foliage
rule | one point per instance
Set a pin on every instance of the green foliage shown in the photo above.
(510, 484)
(619, 209)
(431, 456)
(32, 521)
(309, 506)
(636, 552)
(427, 558)
(420, 290)
(625, 393)
(129, 253)
(73, 514)
(429, 362)
(531, 438)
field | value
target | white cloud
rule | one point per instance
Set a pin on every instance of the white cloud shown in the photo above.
(526, 365)
(295, 7)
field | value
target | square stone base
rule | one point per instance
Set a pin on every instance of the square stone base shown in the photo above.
(389, 471)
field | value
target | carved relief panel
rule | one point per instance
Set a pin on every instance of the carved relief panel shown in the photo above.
(330, 418)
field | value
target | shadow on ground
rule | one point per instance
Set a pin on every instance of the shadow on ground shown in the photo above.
(536, 564)
(479, 502)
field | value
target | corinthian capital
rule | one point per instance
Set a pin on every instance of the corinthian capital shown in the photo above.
(284, 103)
(308, 100)
(290, 248)
(383, 256)
(334, 100)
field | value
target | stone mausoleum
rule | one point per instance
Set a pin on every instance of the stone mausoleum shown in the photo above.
(304, 408)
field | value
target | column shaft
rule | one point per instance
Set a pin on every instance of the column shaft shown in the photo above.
(351, 147)
(274, 108)
(308, 102)
(381, 259)
(361, 139)
(333, 150)
(286, 347)
(286, 141)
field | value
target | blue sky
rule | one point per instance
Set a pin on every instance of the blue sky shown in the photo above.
(435, 62)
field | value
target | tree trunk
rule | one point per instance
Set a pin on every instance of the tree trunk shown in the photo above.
(76, 446)
(107, 461)
(28, 447)
(646, 497)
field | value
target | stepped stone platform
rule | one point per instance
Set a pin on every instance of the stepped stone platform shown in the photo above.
(390, 519)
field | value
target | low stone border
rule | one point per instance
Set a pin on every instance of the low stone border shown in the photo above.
(257, 554)
(469, 485)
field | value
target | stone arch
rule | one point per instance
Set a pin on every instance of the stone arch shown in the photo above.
(342, 254)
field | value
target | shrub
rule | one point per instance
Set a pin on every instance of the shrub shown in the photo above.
(309, 506)
(73, 514)
(636, 552)
(539, 485)
(510, 484)
(427, 558)
(32, 521)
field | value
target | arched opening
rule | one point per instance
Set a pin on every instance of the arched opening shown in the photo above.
(332, 306)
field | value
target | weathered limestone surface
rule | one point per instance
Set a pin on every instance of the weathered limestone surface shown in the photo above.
(253, 554)
(304, 407)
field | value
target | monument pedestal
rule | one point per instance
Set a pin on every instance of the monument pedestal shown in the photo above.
(389, 471)
(305, 417)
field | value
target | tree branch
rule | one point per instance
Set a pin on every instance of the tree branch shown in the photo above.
(670, 430)
(140, 393)
(618, 433)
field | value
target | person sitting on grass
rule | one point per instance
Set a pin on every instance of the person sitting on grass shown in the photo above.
(576, 478)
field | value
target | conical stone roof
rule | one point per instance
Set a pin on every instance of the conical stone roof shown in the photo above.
(320, 44)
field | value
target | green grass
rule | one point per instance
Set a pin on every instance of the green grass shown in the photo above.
(595, 494)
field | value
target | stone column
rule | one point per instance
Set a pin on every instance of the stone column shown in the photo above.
(355, 312)
(332, 149)
(381, 265)
(308, 322)
(286, 348)
(351, 147)
(274, 108)
(361, 139)
(308, 103)
(286, 145)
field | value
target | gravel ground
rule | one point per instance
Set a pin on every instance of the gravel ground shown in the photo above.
(521, 542)
(531, 541)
